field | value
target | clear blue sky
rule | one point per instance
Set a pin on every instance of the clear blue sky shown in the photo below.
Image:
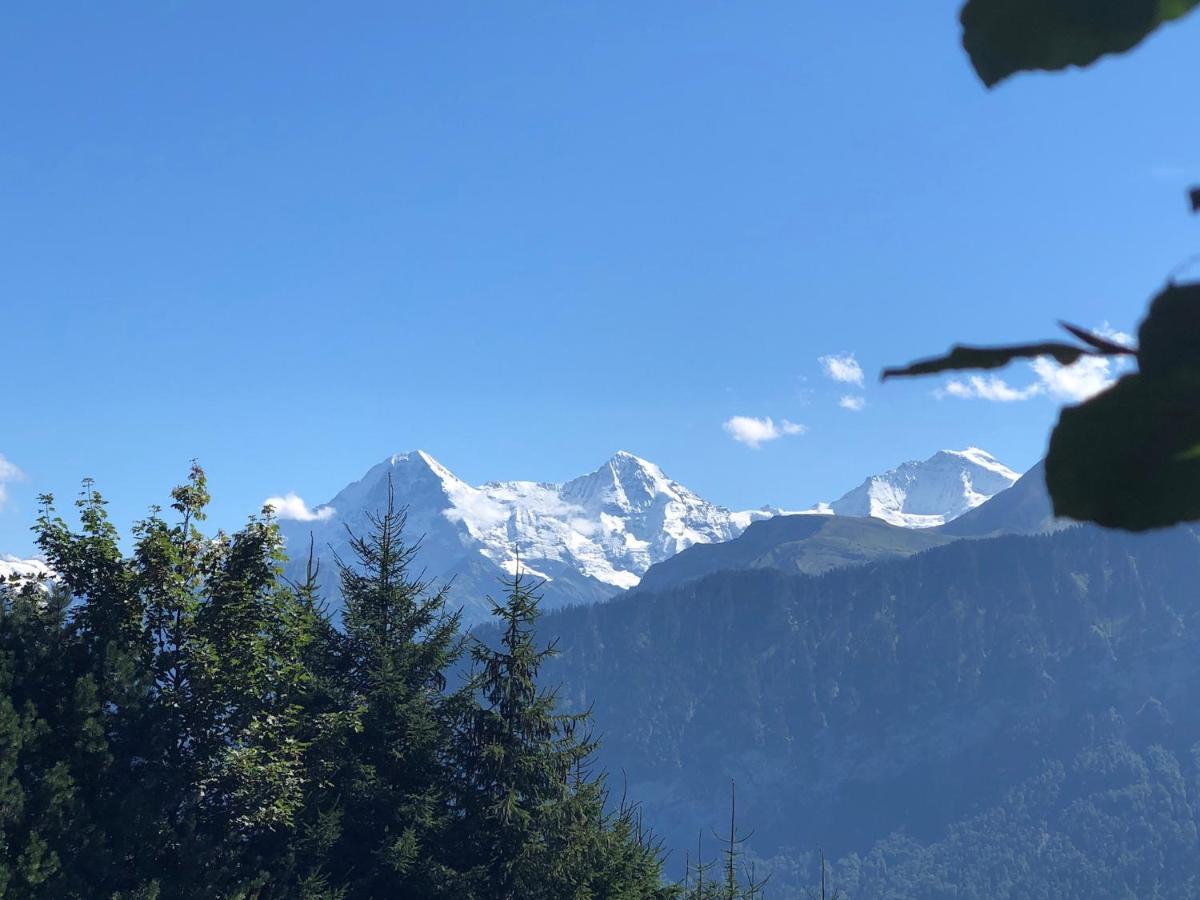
(290, 238)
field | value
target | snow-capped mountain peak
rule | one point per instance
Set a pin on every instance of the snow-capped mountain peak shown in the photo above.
(424, 462)
(625, 484)
(931, 492)
(595, 534)
(979, 457)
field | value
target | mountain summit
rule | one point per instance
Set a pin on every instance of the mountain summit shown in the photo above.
(928, 493)
(589, 537)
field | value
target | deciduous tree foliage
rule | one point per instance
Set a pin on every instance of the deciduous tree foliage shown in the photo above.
(180, 722)
(1004, 37)
(1129, 457)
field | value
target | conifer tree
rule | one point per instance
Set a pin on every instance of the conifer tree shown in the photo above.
(390, 797)
(536, 821)
(327, 714)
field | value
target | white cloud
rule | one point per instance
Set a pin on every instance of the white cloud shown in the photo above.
(988, 387)
(1120, 337)
(292, 506)
(1077, 382)
(586, 527)
(1067, 384)
(755, 432)
(852, 402)
(475, 509)
(842, 367)
(8, 472)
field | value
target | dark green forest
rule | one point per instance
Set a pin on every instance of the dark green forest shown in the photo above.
(179, 721)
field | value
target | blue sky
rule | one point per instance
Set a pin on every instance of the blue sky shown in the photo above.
(289, 239)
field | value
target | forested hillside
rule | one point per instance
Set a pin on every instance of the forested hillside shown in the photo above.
(1000, 717)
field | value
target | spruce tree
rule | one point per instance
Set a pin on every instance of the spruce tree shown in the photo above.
(535, 819)
(327, 714)
(390, 797)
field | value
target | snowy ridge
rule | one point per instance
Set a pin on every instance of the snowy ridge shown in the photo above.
(602, 530)
(597, 534)
(931, 492)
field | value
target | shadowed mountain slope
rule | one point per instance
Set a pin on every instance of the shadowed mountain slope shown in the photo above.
(798, 544)
(1024, 508)
(920, 718)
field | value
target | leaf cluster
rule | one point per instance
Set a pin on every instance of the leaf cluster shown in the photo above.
(1129, 457)
(1004, 37)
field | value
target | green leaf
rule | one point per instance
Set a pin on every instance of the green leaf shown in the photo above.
(1129, 457)
(964, 357)
(1003, 37)
(1169, 336)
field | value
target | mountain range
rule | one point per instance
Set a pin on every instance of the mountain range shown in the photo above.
(588, 538)
(599, 534)
(595, 536)
(992, 716)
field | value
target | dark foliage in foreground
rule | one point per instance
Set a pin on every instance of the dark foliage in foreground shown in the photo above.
(181, 722)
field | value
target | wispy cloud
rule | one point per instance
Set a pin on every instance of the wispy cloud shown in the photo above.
(1067, 384)
(852, 402)
(292, 507)
(988, 387)
(755, 432)
(8, 472)
(842, 367)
